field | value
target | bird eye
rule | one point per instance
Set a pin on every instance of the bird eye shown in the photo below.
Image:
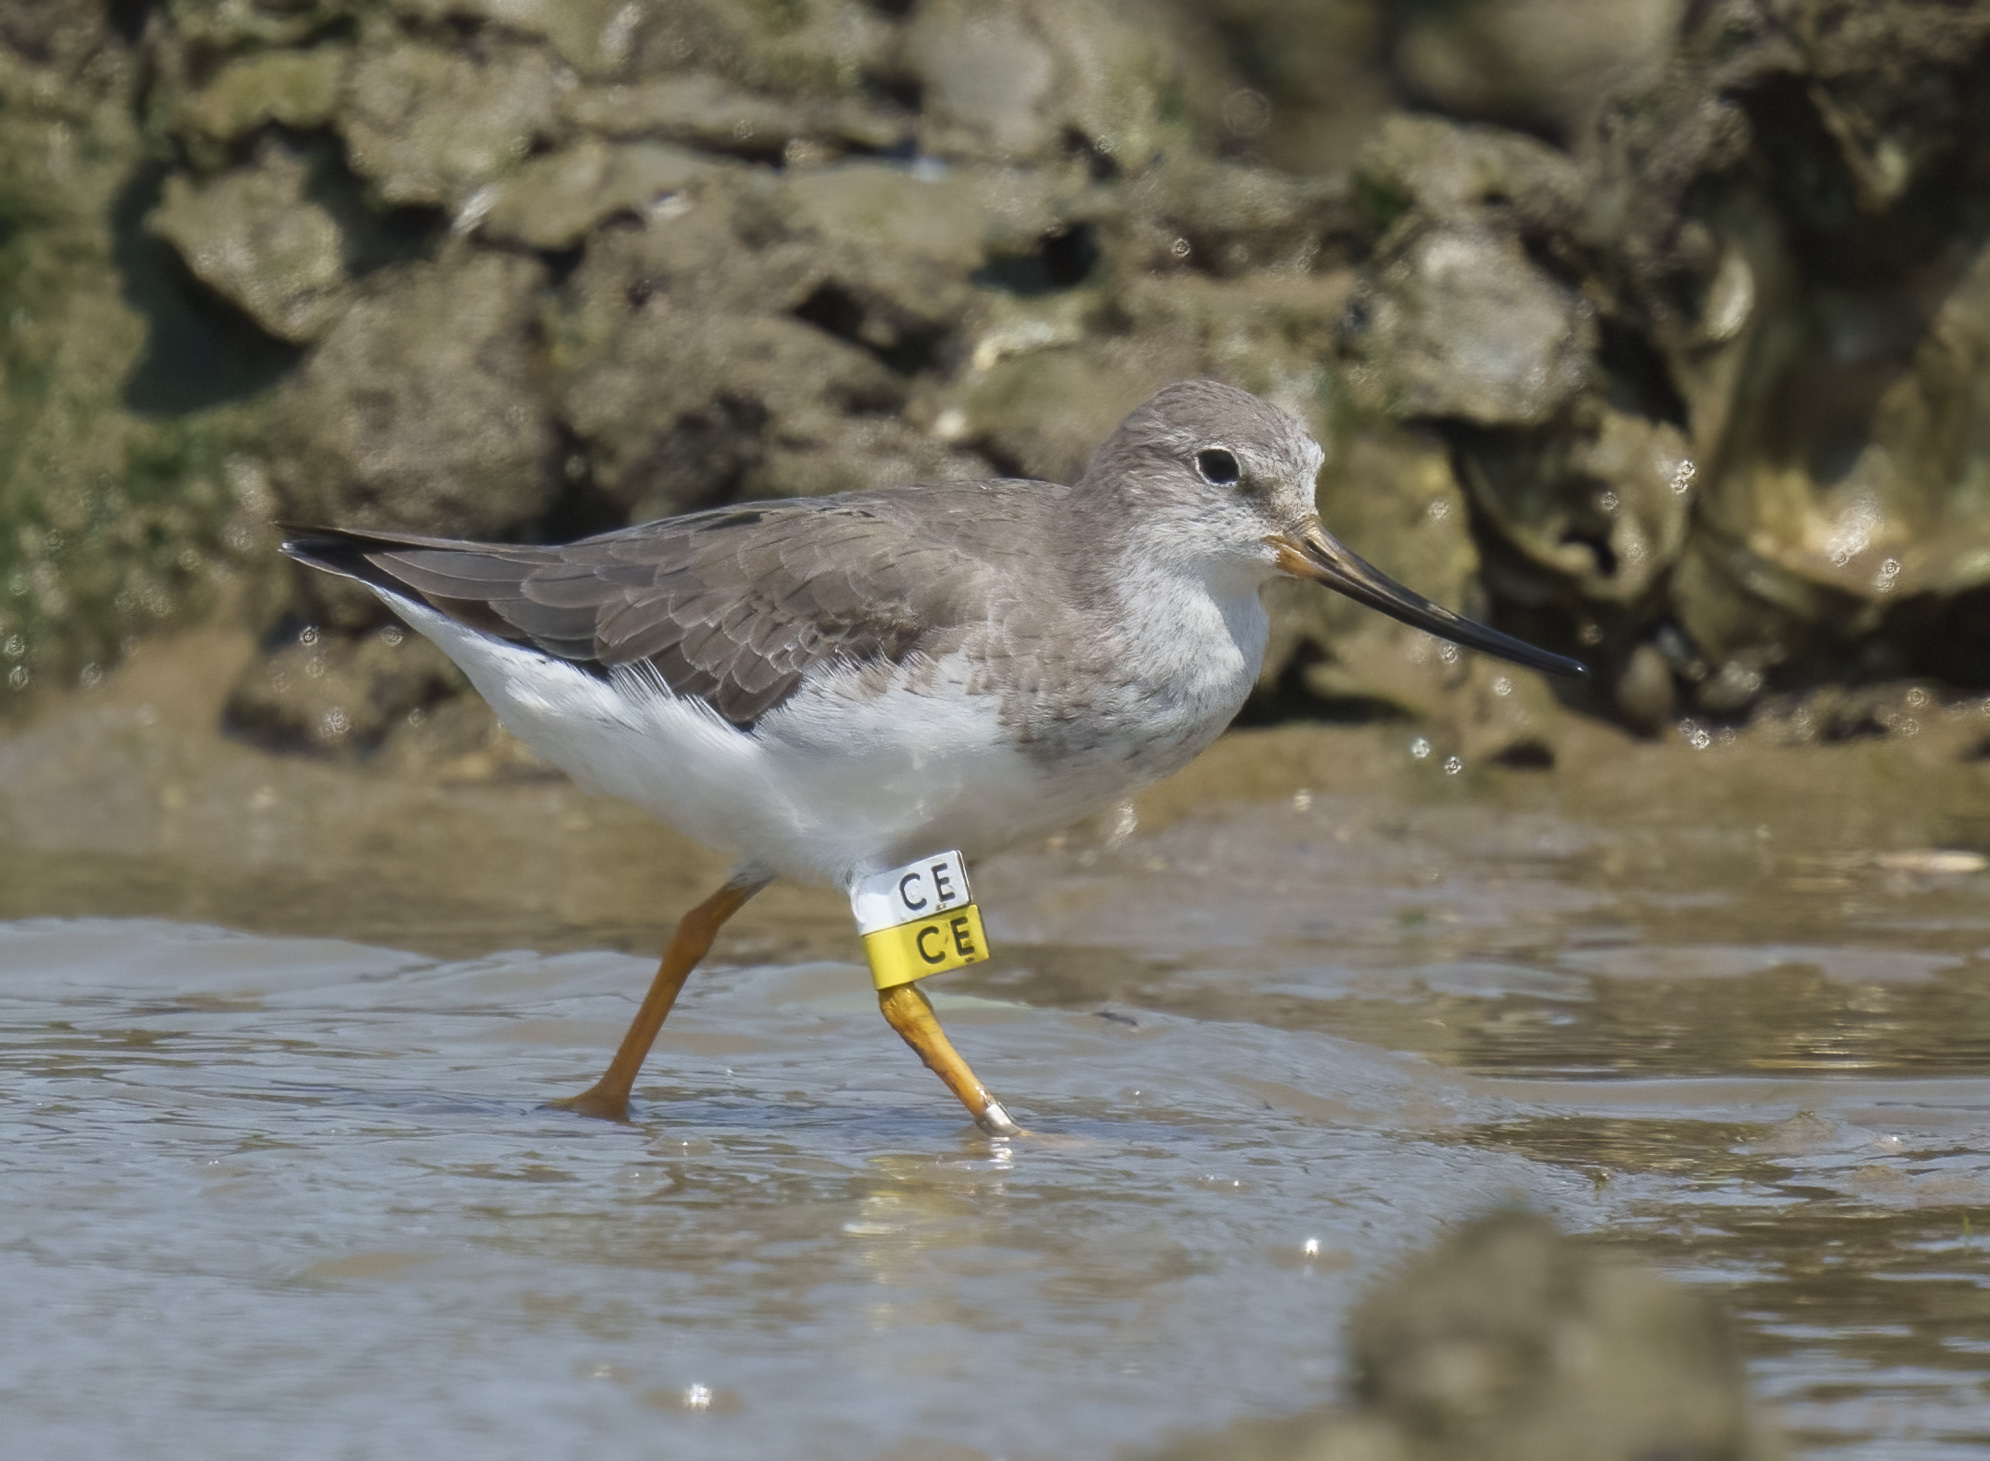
(1218, 467)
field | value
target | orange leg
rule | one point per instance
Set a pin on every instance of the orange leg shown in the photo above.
(909, 1012)
(609, 1097)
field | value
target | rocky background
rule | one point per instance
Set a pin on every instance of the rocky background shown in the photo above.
(1657, 331)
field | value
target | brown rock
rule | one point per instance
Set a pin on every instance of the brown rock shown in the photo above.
(592, 36)
(299, 88)
(1458, 322)
(422, 408)
(554, 201)
(1536, 64)
(1012, 79)
(1646, 696)
(1457, 172)
(713, 114)
(336, 694)
(1296, 85)
(428, 125)
(688, 407)
(260, 240)
(1604, 499)
(1513, 1341)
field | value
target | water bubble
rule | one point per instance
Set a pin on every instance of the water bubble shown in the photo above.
(1438, 510)
(1302, 801)
(17, 678)
(1916, 698)
(1697, 736)
(1246, 113)
(308, 635)
(1448, 653)
(1682, 478)
(1607, 501)
(392, 636)
(1452, 766)
(697, 1397)
(1854, 530)
(333, 724)
(1420, 748)
(92, 676)
(1311, 1248)
(1180, 248)
(1502, 687)
(1743, 678)
(1888, 575)
(1589, 632)
(15, 646)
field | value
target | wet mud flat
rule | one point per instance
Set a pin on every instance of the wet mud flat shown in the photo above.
(285, 1186)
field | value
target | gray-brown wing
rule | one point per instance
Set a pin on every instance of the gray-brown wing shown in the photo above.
(731, 606)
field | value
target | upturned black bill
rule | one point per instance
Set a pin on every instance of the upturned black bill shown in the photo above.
(1318, 557)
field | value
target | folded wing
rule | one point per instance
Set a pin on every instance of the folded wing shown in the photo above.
(731, 607)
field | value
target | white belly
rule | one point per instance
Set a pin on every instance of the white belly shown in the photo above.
(825, 789)
(864, 769)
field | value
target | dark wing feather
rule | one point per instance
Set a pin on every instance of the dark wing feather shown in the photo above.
(731, 607)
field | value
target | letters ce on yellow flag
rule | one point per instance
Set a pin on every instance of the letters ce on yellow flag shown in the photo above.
(919, 919)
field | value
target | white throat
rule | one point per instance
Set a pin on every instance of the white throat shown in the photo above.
(1197, 632)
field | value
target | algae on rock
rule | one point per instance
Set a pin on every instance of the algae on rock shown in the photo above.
(114, 519)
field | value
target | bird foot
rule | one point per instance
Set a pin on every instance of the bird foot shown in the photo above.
(596, 1103)
(996, 1122)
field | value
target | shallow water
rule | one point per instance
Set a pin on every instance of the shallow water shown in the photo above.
(294, 1196)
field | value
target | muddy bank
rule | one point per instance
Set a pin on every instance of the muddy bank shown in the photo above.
(124, 798)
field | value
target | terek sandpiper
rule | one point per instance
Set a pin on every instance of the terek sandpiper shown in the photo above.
(829, 687)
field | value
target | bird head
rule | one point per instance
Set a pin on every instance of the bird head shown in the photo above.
(1222, 481)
